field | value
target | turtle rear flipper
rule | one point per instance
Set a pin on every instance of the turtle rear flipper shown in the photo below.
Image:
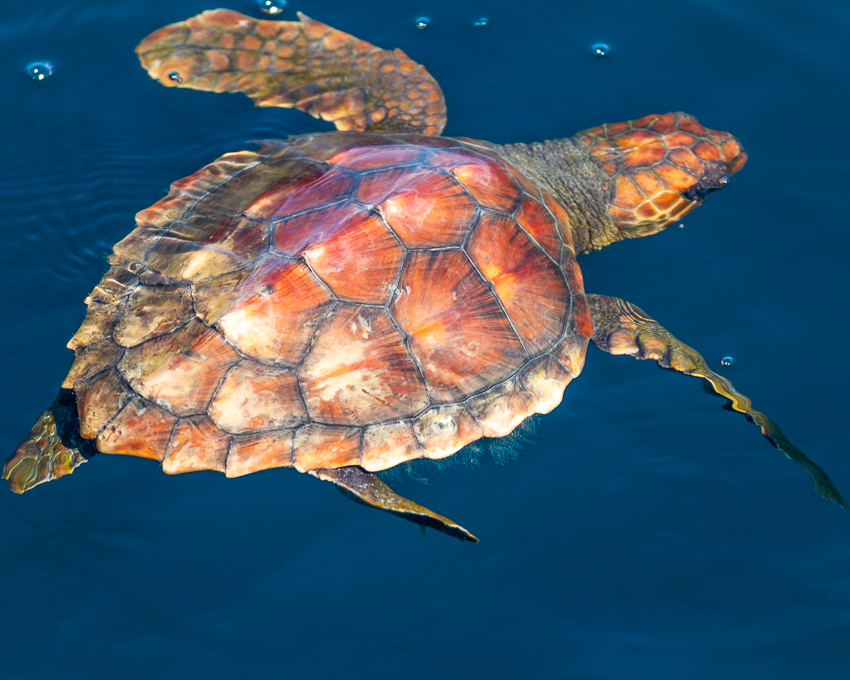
(53, 449)
(302, 64)
(367, 488)
(622, 328)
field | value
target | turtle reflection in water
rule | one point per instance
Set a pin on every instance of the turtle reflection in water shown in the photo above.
(347, 301)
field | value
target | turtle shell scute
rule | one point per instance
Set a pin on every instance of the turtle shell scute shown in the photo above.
(331, 300)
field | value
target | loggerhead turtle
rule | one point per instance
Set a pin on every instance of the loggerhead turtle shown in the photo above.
(344, 302)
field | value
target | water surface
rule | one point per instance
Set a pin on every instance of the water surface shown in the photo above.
(644, 532)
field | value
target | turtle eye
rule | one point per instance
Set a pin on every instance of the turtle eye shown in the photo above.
(705, 187)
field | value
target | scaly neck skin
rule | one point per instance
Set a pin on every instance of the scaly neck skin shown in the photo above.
(562, 168)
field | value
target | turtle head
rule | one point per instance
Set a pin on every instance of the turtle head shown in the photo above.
(658, 168)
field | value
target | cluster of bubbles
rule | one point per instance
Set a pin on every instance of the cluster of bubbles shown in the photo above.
(40, 70)
(271, 6)
(423, 22)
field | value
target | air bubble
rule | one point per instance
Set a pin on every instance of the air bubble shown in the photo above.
(40, 70)
(422, 22)
(600, 49)
(724, 181)
(681, 225)
(271, 6)
(175, 76)
(727, 361)
(480, 22)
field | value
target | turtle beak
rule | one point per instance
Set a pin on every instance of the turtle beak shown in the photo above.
(707, 185)
(716, 173)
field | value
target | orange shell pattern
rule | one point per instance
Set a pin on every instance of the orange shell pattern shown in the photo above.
(335, 299)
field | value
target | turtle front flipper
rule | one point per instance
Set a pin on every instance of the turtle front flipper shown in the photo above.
(622, 328)
(53, 449)
(367, 488)
(302, 64)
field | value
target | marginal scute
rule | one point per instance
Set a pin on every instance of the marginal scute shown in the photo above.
(575, 280)
(572, 349)
(116, 283)
(152, 311)
(385, 446)
(444, 430)
(135, 244)
(358, 370)
(254, 398)
(254, 452)
(501, 408)
(140, 429)
(319, 446)
(184, 195)
(92, 359)
(179, 371)
(99, 399)
(99, 321)
(196, 444)
(544, 380)
(580, 323)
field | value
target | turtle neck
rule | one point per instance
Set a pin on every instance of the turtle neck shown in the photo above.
(562, 168)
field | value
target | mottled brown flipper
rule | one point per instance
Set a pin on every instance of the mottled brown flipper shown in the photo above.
(302, 64)
(368, 489)
(53, 449)
(621, 328)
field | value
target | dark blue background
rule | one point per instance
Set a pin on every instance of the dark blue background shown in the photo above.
(643, 531)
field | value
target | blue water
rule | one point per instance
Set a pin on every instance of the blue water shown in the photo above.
(644, 532)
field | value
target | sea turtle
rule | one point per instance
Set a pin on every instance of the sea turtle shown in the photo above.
(344, 302)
